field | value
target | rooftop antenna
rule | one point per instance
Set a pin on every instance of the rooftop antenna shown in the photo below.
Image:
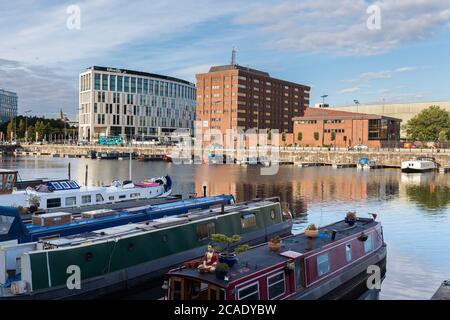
(233, 56)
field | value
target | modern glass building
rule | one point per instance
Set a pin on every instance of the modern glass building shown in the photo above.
(8, 105)
(139, 105)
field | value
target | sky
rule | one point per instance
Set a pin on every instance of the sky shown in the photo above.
(370, 51)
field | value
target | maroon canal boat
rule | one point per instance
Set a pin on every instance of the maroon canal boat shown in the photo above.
(333, 265)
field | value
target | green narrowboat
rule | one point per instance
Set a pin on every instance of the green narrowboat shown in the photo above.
(104, 261)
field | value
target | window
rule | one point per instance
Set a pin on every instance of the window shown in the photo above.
(111, 198)
(205, 230)
(298, 274)
(275, 286)
(86, 199)
(135, 195)
(248, 220)
(368, 244)
(348, 252)
(250, 292)
(99, 198)
(5, 224)
(323, 264)
(123, 196)
(54, 203)
(71, 201)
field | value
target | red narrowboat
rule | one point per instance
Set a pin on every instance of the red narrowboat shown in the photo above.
(337, 264)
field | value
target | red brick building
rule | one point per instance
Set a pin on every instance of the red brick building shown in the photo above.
(322, 127)
(237, 97)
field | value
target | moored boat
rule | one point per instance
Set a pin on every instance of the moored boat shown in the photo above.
(420, 164)
(66, 194)
(122, 257)
(333, 265)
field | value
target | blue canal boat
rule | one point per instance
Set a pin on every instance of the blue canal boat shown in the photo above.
(12, 227)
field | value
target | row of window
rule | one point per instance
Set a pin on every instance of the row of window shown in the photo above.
(276, 287)
(86, 199)
(107, 82)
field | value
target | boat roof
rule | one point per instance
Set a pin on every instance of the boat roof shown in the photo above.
(260, 257)
(7, 171)
(129, 212)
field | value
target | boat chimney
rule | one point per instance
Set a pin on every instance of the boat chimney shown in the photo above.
(204, 191)
(222, 209)
(68, 169)
(86, 176)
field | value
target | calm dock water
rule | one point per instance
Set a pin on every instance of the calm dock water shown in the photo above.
(413, 208)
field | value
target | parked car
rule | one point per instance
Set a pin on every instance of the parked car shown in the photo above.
(360, 147)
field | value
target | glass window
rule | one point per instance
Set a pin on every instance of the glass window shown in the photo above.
(250, 292)
(86, 199)
(368, 244)
(54, 203)
(133, 85)
(111, 198)
(135, 195)
(123, 196)
(99, 198)
(104, 82)
(248, 220)
(139, 85)
(112, 83)
(127, 84)
(5, 224)
(205, 230)
(120, 83)
(97, 81)
(71, 201)
(348, 252)
(145, 86)
(323, 264)
(298, 274)
(275, 285)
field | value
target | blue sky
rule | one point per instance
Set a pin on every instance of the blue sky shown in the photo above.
(322, 43)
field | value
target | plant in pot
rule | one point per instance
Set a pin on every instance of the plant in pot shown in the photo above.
(275, 244)
(311, 231)
(227, 247)
(222, 270)
(350, 218)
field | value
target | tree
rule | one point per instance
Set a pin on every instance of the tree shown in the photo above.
(299, 136)
(283, 136)
(21, 129)
(269, 135)
(11, 129)
(333, 136)
(428, 124)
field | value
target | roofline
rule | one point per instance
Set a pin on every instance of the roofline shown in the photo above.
(139, 73)
(354, 117)
(390, 103)
(8, 92)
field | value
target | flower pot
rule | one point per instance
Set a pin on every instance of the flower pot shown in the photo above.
(229, 259)
(221, 274)
(311, 233)
(274, 246)
(350, 222)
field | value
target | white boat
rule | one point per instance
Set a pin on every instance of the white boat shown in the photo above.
(419, 164)
(70, 194)
(365, 164)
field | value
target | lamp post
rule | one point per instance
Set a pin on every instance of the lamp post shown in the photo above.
(26, 124)
(323, 99)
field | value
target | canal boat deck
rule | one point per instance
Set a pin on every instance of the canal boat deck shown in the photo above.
(260, 257)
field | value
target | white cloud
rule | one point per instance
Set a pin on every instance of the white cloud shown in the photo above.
(339, 27)
(349, 90)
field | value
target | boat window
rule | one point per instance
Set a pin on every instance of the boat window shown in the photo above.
(71, 201)
(323, 264)
(368, 244)
(177, 289)
(54, 203)
(248, 220)
(298, 274)
(135, 195)
(5, 224)
(111, 198)
(99, 198)
(348, 252)
(123, 196)
(250, 292)
(86, 199)
(205, 230)
(275, 285)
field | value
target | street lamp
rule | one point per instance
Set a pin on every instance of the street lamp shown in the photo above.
(323, 100)
(26, 124)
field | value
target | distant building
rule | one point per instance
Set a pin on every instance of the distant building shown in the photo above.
(403, 111)
(8, 105)
(140, 105)
(318, 124)
(238, 97)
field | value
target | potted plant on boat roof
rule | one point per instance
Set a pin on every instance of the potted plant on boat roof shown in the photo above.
(350, 218)
(222, 270)
(227, 247)
(275, 244)
(311, 231)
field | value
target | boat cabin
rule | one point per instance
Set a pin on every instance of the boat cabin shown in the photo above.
(304, 268)
(8, 179)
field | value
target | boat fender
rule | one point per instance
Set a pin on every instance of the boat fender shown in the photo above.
(18, 287)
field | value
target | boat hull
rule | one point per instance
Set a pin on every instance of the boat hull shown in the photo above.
(412, 170)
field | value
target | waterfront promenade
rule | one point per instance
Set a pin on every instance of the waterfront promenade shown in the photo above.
(296, 155)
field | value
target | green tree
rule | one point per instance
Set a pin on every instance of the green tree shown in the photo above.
(11, 130)
(31, 134)
(299, 136)
(21, 129)
(316, 136)
(333, 135)
(428, 124)
(283, 136)
(269, 135)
